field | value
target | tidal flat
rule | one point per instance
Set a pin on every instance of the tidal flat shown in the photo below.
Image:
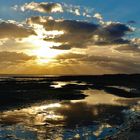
(41, 107)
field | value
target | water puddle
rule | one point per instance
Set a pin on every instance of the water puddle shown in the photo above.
(97, 116)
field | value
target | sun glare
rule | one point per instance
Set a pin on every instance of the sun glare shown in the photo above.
(46, 52)
(42, 48)
(46, 55)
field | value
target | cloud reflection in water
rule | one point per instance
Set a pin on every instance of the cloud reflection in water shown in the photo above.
(93, 117)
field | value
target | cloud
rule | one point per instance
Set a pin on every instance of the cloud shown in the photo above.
(12, 58)
(93, 46)
(136, 41)
(13, 30)
(14, 62)
(69, 26)
(76, 10)
(80, 34)
(114, 30)
(62, 47)
(98, 16)
(43, 7)
(116, 64)
(75, 34)
(130, 49)
(131, 22)
(70, 56)
(113, 33)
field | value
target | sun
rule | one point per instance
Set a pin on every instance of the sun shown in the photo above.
(42, 50)
(46, 54)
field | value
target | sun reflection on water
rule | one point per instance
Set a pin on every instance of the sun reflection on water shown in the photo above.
(38, 114)
(92, 118)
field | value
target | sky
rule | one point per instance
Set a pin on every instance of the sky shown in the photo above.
(69, 37)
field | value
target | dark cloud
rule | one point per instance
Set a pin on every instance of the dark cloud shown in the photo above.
(36, 20)
(79, 34)
(12, 30)
(114, 32)
(43, 7)
(131, 22)
(69, 26)
(76, 33)
(62, 47)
